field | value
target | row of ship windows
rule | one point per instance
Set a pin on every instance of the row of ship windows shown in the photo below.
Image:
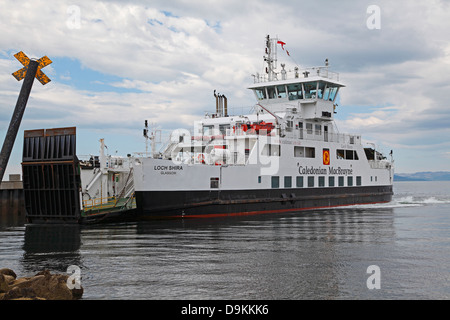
(308, 90)
(311, 181)
(308, 152)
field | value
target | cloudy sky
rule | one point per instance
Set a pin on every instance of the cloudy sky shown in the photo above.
(117, 63)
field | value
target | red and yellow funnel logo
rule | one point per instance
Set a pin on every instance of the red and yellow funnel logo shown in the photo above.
(326, 157)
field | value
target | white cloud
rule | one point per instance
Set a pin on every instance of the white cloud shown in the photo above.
(174, 54)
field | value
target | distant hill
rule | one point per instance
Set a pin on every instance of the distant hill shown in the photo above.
(423, 176)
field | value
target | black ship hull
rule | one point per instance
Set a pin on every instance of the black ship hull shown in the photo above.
(205, 204)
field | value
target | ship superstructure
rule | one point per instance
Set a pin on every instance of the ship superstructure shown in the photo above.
(285, 155)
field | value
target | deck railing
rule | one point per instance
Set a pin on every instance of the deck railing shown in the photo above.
(295, 74)
(106, 203)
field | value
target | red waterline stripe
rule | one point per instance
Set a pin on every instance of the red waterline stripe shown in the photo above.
(217, 215)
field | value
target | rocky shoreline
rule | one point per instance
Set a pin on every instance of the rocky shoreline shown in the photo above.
(41, 286)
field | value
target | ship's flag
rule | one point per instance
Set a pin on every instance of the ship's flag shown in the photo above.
(282, 46)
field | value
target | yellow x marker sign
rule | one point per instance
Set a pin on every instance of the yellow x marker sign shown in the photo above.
(20, 74)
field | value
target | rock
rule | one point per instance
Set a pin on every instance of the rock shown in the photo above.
(4, 286)
(8, 272)
(17, 281)
(44, 272)
(48, 287)
(9, 279)
(77, 293)
(20, 293)
(43, 285)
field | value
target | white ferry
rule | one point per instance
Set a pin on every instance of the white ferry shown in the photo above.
(285, 156)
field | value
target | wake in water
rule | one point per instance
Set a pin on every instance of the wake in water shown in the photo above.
(407, 201)
(418, 200)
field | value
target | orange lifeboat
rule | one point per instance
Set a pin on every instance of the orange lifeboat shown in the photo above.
(263, 126)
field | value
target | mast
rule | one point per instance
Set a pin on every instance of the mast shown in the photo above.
(271, 57)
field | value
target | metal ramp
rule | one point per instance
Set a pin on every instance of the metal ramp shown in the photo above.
(51, 177)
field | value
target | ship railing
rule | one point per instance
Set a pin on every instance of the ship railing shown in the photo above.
(99, 203)
(128, 187)
(304, 135)
(328, 137)
(106, 203)
(323, 72)
(239, 131)
(379, 164)
(168, 147)
(112, 162)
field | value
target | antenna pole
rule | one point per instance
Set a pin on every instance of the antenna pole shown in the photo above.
(271, 58)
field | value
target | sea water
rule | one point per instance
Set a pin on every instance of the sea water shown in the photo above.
(396, 250)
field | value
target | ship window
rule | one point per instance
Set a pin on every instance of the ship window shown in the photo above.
(271, 92)
(214, 183)
(275, 182)
(300, 128)
(223, 128)
(207, 130)
(331, 181)
(347, 154)
(235, 157)
(260, 93)
(349, 181)
(271, 150)
(299, 182)
(351, 155)
(318, 128)
(341, 181)
(310, 182)
(299, 152)
(330, 92)
(294, 91)
(358, 181)
(304, 152)
(310, 152)
(321, 181)
(321, 90)
(281, 91)
(288, 182)
(289, 125)
(310, 90)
